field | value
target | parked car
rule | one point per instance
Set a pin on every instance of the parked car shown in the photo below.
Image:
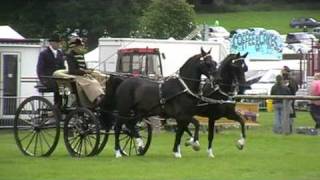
(298, 48)
(301, 37)
(218, 32)
(316, 32)
(304, 22)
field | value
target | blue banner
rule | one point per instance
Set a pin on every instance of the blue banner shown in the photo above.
(258, 42)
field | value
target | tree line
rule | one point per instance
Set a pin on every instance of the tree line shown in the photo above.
(117, 18)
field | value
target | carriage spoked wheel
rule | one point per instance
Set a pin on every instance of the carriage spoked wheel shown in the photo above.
(36, 126)
(106, 124)
(104, 136)
(128, 142)
(81, 133)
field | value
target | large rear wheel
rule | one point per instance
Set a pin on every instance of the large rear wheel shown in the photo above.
(36, 126)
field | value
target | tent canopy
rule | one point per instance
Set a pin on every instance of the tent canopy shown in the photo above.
(6, 32)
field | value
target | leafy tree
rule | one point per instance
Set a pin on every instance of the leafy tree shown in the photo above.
(39, 19)
(166, 18)
(92, 17)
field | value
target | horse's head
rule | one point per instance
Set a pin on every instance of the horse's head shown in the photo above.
(207, 66)
(232, 69)
(239, 67)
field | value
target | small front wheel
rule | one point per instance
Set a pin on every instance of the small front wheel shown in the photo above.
(128, 142)
(81, 133)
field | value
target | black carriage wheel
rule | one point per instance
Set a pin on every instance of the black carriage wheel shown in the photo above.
(106, 121)
(81, 133)
(103, 141)
(128, 142)
(36, 126)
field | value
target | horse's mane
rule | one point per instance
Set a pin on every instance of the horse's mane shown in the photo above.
(225, 62)
(190, 60)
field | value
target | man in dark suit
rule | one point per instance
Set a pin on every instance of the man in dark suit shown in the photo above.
(50, 60)
(291, 83)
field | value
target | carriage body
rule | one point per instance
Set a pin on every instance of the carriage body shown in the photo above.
(86, 129)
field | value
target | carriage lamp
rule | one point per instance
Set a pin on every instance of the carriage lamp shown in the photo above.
(67, 91)
(61, 90)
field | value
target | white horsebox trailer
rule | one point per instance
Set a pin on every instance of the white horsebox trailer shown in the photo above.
(18, 60)
(176, 51)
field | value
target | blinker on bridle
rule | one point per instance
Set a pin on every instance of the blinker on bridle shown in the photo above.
(203, 57)
(238, 59)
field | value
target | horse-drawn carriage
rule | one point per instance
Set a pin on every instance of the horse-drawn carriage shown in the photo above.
(38, 122)
(127, 105)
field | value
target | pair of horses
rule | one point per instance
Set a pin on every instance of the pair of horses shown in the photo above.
(232, 81)
(176, 97)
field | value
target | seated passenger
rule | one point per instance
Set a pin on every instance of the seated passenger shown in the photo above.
(89, 88)
(50, 60)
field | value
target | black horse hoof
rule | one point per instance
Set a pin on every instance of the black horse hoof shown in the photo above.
(240, 147)
(140, 151)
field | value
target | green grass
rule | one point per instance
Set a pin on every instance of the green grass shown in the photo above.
(277, 20)
(266, 156)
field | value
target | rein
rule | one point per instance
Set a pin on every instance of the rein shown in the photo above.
(190, 79)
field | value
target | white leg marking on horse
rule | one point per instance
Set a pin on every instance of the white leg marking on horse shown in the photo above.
(139, 142)
(210, 153)
(189, 142)
(240, 143)
(118, 154)
(178, 153)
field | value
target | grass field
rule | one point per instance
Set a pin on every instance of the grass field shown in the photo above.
(266, 156)
(277, 20)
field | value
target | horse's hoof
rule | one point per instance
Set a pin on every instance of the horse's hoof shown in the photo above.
(189, 142)
(210, 153)
(240, 147)
(196, 146)
(177, 155)
(118, 154)
(240, 144)
(211, 156)
(140, 151)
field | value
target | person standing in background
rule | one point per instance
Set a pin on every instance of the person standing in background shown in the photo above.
(293, 87)
(315, 104)
(278, 89)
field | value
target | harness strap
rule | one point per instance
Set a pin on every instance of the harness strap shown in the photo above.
(162, 99)
(215, 101)
(186, 89)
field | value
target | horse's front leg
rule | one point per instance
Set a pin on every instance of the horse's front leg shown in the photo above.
(194, 140)
(241, 141)
(211, 124)
(179, 133)
(117, 129)
(134, 129)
